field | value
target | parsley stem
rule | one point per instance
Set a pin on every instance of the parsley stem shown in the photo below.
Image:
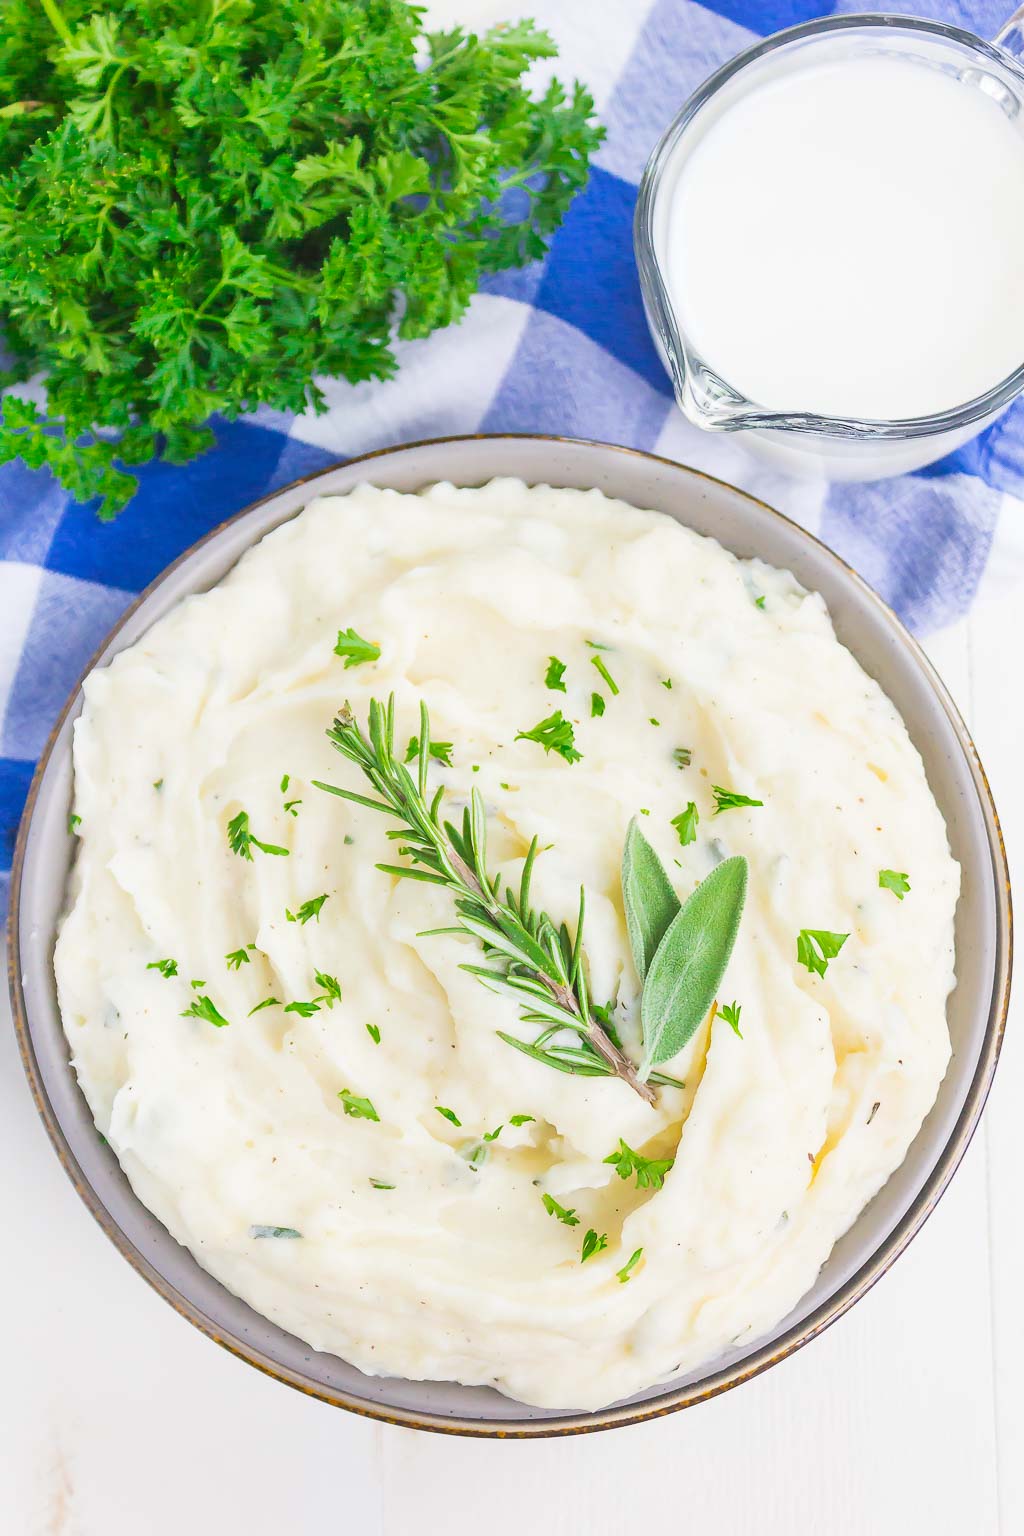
(56, 20)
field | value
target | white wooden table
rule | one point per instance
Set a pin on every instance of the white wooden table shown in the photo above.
(906, 1419)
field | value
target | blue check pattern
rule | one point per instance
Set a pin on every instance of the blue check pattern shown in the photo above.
(561, 347)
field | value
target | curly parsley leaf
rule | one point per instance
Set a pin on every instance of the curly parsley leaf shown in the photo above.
(202, 1008)
(204, 210)
(568, 1218)
(555, 734)
(331, 991)
(441, 751)
(310, 908)
(597, 705)
(449, 1114)
(242, 841)
(649, 1171)
(592, 1244)
(167, 968)
(268, 1002)
(686, 824)
(236, 959)
(359, 1109)
(355, 649)
(731, 1014)
(893, 880)
(554, 677)
(815, 947)
(729, 800)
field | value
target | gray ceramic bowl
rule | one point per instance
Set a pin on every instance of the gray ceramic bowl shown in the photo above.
(977, 1008)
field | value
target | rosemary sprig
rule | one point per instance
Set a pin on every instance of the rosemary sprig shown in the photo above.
(530, 959)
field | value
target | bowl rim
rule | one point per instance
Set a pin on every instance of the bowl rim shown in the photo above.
(771, 1353)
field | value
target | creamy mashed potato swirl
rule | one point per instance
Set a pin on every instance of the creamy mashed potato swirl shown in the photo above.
(454, 1269)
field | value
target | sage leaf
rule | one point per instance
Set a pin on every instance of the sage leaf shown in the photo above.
(648, 898)
(690, 962)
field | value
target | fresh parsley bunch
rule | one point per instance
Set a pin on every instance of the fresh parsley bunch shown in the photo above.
(204, 204)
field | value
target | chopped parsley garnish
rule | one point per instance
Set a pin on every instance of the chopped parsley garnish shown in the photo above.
(815, 947)
(303, 1009)
(592, 1244)
(650, 1171)
(759, 601)
(202, 1008)
(158, 785)
(475, 1154)
(242, 841)
(520, 1119)
(285, 781)
(893, 880)
(167, 968)
(729, 800)
(666, 682)
(597, 705)
(624, 1273)
(731, 1014)
(74, 822)
(273, 1232)
(379, 1184)
(555, 674)
(686, 824)
(331, 989)
(195, 985)
(568, 1218)
(449, 1114)
(290, 805)
(653, 721)
(237, 958)
(360, 1109)
(555, 734)
(268, 1002)
(440, 750)
(682, 757)
(595, 661)
(354, 648)
(374, 1033)
(310, 908)
(595, 645)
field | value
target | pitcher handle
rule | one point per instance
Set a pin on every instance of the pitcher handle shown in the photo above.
(1011, 34)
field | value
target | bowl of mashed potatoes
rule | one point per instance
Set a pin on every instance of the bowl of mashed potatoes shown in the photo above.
(291, 1058)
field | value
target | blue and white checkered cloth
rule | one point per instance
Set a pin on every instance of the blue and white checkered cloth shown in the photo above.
(561, 347)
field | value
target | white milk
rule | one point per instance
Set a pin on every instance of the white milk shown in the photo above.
(848, 239)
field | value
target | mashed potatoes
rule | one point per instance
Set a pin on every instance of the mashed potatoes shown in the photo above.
(407, 1243)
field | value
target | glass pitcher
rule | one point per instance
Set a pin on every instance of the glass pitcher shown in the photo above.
(801, 442)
